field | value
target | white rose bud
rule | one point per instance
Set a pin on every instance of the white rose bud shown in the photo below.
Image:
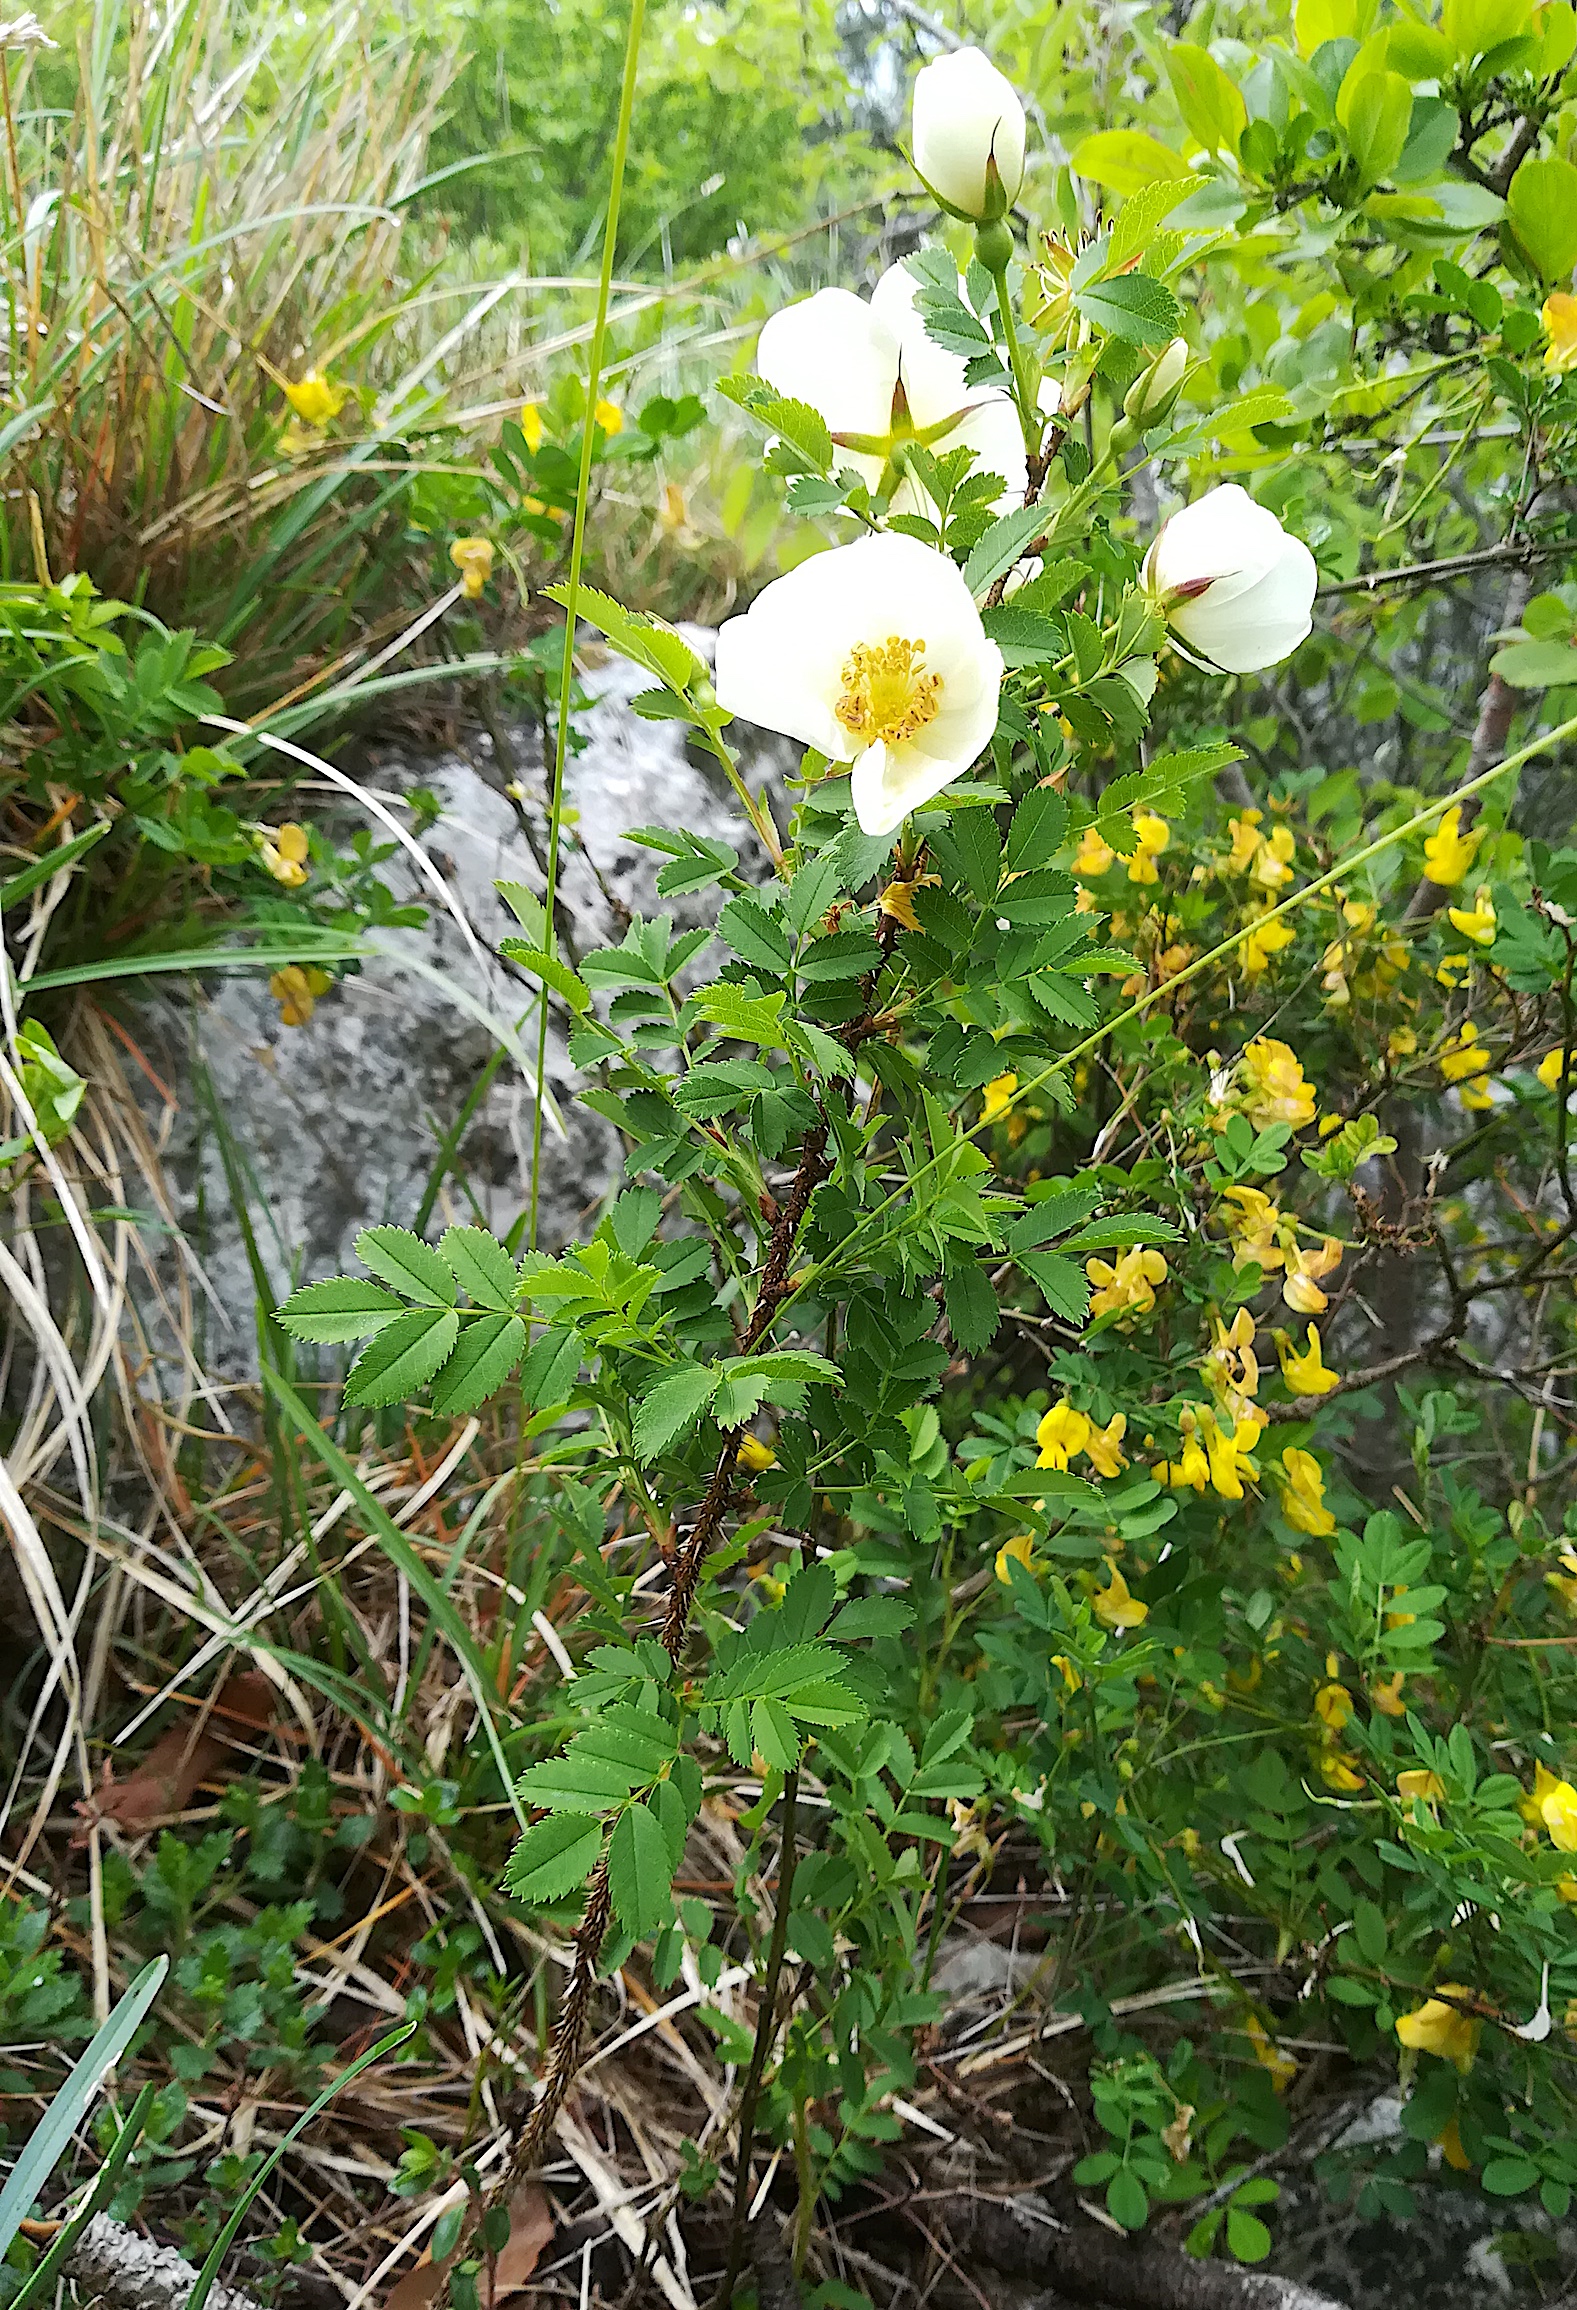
(1237, 591)
(969, 134)
(1153, 395)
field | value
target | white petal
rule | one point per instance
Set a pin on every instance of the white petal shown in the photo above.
(1259, 624)
(1223, 536)
(964, 113)
(833, 351)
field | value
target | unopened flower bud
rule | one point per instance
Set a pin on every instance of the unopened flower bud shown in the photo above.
(1153, 396)
(969, 134)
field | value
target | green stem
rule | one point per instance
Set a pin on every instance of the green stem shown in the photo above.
(1023, 388)
(756, 812)
(577, 554)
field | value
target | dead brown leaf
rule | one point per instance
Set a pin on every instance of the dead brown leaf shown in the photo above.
(180, 1761)
(530, 2235)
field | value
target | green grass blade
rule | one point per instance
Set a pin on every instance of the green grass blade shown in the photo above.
(51, 2269)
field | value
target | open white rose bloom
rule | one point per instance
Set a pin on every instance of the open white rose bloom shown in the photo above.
(848, 358)
(873, 653)
(966, 114)
(1235, 588)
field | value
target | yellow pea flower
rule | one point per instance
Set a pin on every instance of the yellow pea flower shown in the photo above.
(1228, 1453)
(531, 425)
(1305, 1371)
(1450, 2140)
(1564, 1583)
(1019, 1550)
(283, 851)
(1070, 1675)
(1476, 922)
(1340, 1771)
(1401, 1043)
(316, 399)
(609, 416)
(1333, 1705)
(998, 1098)
(1062, 1433)
(1301, 1288)
(1279, 1091)
(296, 990)
(1265, 940)
(755, 1455)
(1113, 1605)
(1129, 1285)
(1449, 852)
(1438, 2028)
(1549, 1067)
(1253, 1221)
(1559, 315)
(1302, 1484)
(1558, 1811)
(473, 558)
(1247, 841)
(1103, 1446)
(1230, 1366)
(1420, 1787)
(1386, 1694)
(1093, 857)
(1531, 1806)
(1154, 835)
(1566, 1889)
(1273, 867)
(1282, 2066)
(1192, 1472)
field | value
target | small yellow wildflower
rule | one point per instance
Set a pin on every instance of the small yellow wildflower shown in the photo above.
(998, 1098)
(1305, 1371)
(1564, 1583)
(1103, 1446)
(1558, 1811)
(1228, 1452)
(1273, 867)
(1254, 1222)
(1386, 1694)
(1531, 1806)
(1401, 1043)
(1070, 1675)
(1154, 835)
(1062, 1433)
(1333, 1705)
(531, 425)
(1230, 1366)
(283, 851)
(296, 989)
(1450, 2140)
(1113, 1605)
(316, 400)
(1559, 315)
(1303, 1493)
(1463, 1062)
(1019, 1550)
(1550, 1066)
(1438, 2028)
(1282, 2066)
(473, 558)
(1476, 922)
(1420, 1787)
(1263, 941)
(755, 1455)
(1339, 1770)
(1279, 1091)
(1449, 852)
(1301, 1290)
(1247, 841)
(1127, 1286)
(1093, 856)
(1192, 1472)
(609, 416)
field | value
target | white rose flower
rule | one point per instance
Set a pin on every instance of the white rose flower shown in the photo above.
(848, 360)
(965, 117)
(1236, 589)
(873, 653)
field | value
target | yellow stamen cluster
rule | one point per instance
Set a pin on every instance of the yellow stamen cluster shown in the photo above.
(886, 694)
